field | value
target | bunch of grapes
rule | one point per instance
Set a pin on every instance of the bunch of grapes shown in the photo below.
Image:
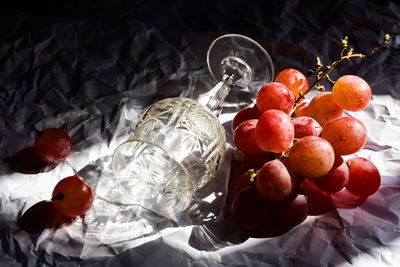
(305, 143)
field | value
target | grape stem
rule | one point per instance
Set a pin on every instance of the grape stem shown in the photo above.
(321, 72)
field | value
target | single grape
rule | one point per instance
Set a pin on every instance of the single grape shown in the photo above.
(311, 156)
(72, 196)
(364, 177)
(244, 115)
(294, 79)
(336, 178)
(244, 137)
(274, 181)
(53, 146)
(319, 202)
(292, 210)
(275, 96)
(323, 108)
(351, 93)
(274, 131)
(306, 126)
(250, 210)
(301, 109)
(347, 135)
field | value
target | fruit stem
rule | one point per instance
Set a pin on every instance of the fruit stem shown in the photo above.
(322, 72)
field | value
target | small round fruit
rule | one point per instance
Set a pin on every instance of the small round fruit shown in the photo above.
(245, 114)
(351, 93)
(72, 196)
(294, 79)
(323, 108)
(275, 96)
(292, 211)
(335, 179)
(274, 131)
(244, 137)
(364, 177)
(275, 181)
(311, 156)
(347, 135)
(53, 146)
(306, 126)
(301, 109)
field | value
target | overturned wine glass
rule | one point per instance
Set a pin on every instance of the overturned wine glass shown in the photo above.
(178, 143)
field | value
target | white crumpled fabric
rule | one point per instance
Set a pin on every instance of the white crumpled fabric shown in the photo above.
(95, 86)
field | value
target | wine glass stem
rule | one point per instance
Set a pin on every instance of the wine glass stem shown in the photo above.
(214, 98)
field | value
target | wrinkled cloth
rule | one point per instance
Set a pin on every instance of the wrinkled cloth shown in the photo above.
(92, 68)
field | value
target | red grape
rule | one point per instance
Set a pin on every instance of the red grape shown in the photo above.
(275, 96)
(250, 210)
(364, 177)
(323, 108)
(301, 110)
(291, 211)
(244, 115)
(72, 196)
(336, 178)
(319, 202)
(306, 126)
(294, 79)
(244, 137)
(275, 181)
(311, 156)
(351, 93)
(53, 146)
(347, 135)
(274, 131)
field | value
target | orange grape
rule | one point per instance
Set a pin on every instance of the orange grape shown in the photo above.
(323, 108)
(347, 135)
(301, 109)
(294, 79)
(351, 93)
(311, 156)
(274, 131)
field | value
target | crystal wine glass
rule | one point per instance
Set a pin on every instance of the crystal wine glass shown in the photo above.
(178, 143)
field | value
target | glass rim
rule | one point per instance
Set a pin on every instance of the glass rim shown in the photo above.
(229, 35)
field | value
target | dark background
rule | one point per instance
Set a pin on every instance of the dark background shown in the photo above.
(53, 53)
(58, 58)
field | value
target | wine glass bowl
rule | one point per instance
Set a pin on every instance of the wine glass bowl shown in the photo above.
(241, 56)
